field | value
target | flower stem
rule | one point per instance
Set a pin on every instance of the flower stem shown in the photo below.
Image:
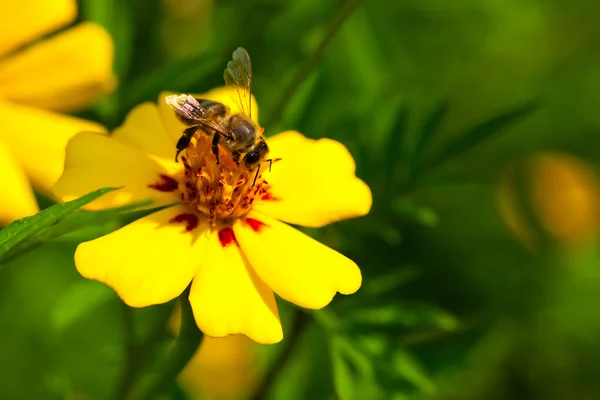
(182, 351)
(304, 71)
(300, 321)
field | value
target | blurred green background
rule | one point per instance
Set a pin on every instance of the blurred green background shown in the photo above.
(476, 125)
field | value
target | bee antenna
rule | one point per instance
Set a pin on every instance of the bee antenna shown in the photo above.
(256, 176)
(270, 160)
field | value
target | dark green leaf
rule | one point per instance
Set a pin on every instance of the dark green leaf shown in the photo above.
(402, 314)
(479, 134)
(429, 128)
(17, 233)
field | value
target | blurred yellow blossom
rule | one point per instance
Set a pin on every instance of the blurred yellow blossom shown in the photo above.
(225, 235)
(221, 368)
(564, 196)
(64, 72)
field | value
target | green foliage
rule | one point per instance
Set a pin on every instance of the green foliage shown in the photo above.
(28, 232)
(434, 101)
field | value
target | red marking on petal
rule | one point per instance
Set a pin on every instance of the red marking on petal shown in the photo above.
(227, 237)
(167, 184)
(269, 196)
(190, 220)
(277, 160)
(255, 224)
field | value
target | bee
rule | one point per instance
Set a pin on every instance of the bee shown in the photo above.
(236, 133)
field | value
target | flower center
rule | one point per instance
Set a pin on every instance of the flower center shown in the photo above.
(219, 191)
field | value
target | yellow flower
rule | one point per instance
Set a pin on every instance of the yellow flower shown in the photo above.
(229, 241)
(62, 73)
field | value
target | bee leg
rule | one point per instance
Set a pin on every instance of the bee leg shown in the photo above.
(256, 176)
(236, 158)
(215, 146)
(185, 140)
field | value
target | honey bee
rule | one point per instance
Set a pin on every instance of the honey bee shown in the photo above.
(236, 133)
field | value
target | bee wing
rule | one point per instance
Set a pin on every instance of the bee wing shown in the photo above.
(238, 74)
(191, 112)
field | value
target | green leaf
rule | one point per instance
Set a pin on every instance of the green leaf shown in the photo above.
(479, 134)
(78, 300)
(380, 285)
(410, 211)
(402, 314)
(353, 370)
(19, 232)
(429, 128)
(407, 367)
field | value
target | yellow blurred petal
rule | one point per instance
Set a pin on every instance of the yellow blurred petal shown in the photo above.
(228, 297)
(295, 266)
(149, 261)
(143, 128)
(38, 139)
(63, 73)
(314, 183)
(16, 197)
(95, 161)
(221, 368)
(224, 95)
(24, 21)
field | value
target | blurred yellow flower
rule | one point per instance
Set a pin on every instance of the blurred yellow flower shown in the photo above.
(246, 254)
(221, 368)
(62, 73)
(564, 196)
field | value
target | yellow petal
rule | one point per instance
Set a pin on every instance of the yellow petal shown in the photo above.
(64, 73)
(16, 197)
(38, 139)
(149, 261)
(314, 183)
(23, 21)
(95, 161)
(224, 95)
(295, 266)
(143, 128)
(228, 297)
(222, 368)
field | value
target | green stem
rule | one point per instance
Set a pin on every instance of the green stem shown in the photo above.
(300, 321)
(183, 349)
(304, 71)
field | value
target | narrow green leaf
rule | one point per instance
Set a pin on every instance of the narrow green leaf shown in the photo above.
(393, 149)
(379, 285)
(410, 211)
(429, 128)
(17, 233)
(407, 315)
(407, 367)
(479, 134)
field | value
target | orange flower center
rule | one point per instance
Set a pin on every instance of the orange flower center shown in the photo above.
(221, 191)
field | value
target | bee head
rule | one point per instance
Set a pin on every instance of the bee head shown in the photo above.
(256, 155)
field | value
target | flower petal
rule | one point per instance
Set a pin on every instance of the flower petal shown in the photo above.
(228, 297)
(143, 128)
(295, 266)
(224, 95)
(95, 161)
(149, 261)
(23, 21)
(16, 197)
(314, 183)
(63, 73)
(38, 139)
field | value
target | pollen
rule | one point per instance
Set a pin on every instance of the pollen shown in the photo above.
(221, 192)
